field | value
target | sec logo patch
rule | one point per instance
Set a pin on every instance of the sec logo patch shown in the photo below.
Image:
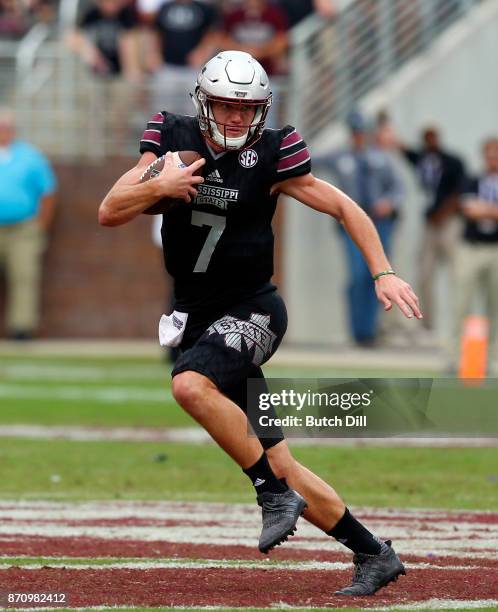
(248, 158)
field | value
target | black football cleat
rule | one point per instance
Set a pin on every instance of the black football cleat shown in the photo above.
(372, 572)
(280, 513)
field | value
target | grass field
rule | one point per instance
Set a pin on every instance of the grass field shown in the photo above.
(39, 474)
(413, 477)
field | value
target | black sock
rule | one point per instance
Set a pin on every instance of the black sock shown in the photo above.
(355, 536)
(263, 478)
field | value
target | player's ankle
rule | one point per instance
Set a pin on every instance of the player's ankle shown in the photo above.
(263, 478)
(355, 536)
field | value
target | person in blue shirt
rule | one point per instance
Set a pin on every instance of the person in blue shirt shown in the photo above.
(27, 202)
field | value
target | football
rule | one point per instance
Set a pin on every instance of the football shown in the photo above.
(182, 159)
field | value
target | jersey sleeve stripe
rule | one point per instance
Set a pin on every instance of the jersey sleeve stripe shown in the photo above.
(157, 118)
(292, 144)
(294, 161)
(290, 139)
(294, 156)
(289, 135)
(152, 136)
(298, 150)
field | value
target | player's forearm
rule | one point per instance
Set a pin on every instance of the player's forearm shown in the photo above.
(356, 223)
(326, 198)
(362, 231)
(124, 202)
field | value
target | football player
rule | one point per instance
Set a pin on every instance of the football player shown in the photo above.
(229, 319)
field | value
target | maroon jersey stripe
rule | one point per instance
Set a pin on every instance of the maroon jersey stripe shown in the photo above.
(152, 135)
(291, 139)
(291, 161)
(157, 118)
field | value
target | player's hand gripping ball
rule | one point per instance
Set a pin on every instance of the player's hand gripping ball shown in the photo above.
(181, 159)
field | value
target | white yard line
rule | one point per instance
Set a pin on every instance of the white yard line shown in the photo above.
(443, 604)
(173, 509)
(215, 564)
(242, 533)
(110, 395)
(66, 371)
(189, 435)
(426, 533)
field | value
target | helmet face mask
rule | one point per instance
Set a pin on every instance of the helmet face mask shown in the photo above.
(232, 78)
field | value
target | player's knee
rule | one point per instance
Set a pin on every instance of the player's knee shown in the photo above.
(189, 390)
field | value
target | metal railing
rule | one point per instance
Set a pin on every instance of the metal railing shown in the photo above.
(335, 63)
(8, 50)
(67, 111)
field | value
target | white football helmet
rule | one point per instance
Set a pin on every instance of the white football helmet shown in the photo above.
(232, 77)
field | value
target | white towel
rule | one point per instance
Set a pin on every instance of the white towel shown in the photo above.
(172, 328)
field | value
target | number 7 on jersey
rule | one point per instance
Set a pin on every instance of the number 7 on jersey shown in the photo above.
(217, 225)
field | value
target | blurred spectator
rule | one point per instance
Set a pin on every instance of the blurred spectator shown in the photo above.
(184, 38)
(477, 256)
(27, 201)
(297, 10)
(14, 20)
(260, 29)
(185, 32)
(148, 9)
(106, 41)
(385, 136)
(367, 175)
(441, 176)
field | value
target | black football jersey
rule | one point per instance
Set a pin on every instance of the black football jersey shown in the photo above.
(222, 243)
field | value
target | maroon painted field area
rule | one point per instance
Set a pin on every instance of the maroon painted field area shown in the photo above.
(171, 554)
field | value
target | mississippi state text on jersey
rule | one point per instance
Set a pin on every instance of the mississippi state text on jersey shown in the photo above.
(223, 241)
